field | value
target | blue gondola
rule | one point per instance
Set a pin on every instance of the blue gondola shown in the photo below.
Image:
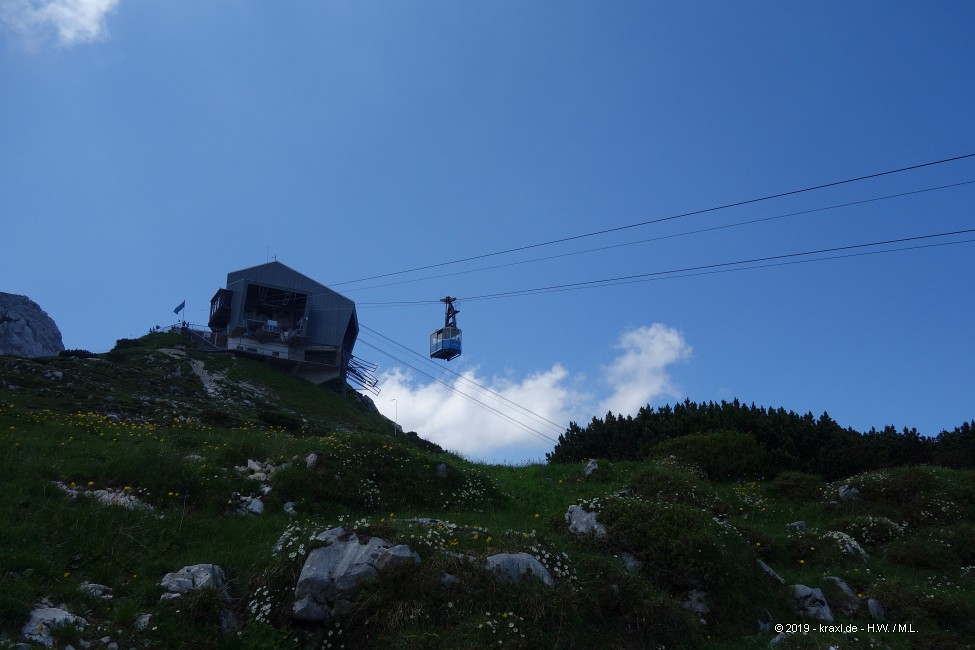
(445, 342)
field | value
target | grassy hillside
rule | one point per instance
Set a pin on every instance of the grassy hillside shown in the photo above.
(162, 423)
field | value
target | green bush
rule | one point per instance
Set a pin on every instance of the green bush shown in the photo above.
(724, 455)
(78, 354)
(281, 419)
(684, 548)
(798, 487)
(869, 530)
(920, 495)
(676, 484)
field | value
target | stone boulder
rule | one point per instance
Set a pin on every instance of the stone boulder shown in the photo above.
(591, 467)
(25, 329)
(770, 572)
(44, 620)
(190, 578)
(331, 574)
(809, 602)
(877, 611)
(512, 566)
(583, 522)
(846, 601)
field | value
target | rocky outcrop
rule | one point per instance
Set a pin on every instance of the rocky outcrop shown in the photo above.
(190, 578)
(25, 329)
(44, 620)
(809, 602)
(330, 575)
(583, 522)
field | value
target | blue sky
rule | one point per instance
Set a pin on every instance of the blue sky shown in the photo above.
(147, 148)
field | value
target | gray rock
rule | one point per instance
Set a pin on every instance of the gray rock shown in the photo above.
(847, 493)
(630, 562)
(877, 611)
(448, 581)
(582, 522)
(311, 460)
(196, 576)
(25, 329)
(96, 590)
(396, 556)
(811, 603)
(797, 525)
(847, 602)
(770, 571)
(44, 619)
(694, 601)
(143, 621)
(333, 535)
(119, 498)
(442, 470)
(512, 566)
(590, 467)
(332, 573)
(253, 505)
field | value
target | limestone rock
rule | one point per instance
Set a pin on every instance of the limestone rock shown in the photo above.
(694, 600)
(331, 574)
(632, 564)
(848, 493)
(877, 611)
(189, 578)
(590, 467)
(769, 571)
(582, 522)
(512, 566)
(44, 619)
(810, 602)
(846, 603)
(25, 329)
(96, 590)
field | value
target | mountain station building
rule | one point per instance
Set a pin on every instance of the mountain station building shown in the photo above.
(273, 313)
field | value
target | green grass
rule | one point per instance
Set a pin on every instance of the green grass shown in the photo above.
(689, 531)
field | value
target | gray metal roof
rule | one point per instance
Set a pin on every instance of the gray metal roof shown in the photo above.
(332, 318)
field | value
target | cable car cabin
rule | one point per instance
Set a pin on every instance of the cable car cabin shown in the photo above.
(445, 343)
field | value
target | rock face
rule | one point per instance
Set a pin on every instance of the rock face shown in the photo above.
(25, 330)
(583, 522)
(811, 603)
(330, 574)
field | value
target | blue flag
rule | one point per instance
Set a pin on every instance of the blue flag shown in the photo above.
(180, 307)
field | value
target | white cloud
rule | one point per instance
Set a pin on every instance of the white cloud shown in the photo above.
(445, 416)
(640, 374)
(72, 21)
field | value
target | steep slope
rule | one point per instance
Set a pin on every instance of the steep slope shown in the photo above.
(223, 505)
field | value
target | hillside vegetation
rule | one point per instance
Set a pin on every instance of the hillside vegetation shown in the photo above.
(187, 440)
